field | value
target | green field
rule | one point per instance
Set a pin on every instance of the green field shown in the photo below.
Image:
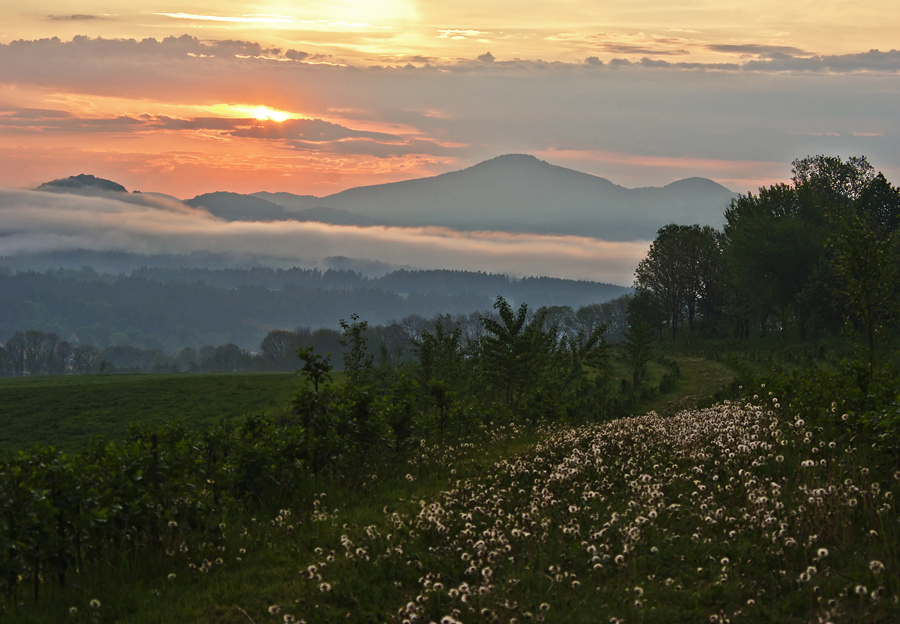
(739, 512)
(711, 516)
(68, 411)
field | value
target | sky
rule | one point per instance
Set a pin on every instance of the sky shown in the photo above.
(316, 97)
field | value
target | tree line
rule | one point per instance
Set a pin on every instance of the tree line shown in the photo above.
(35, 352)
(805, 259)
(171, 308)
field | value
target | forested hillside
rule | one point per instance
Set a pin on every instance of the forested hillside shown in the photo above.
(173, 308)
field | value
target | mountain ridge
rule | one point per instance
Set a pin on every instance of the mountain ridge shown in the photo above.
(508, 193)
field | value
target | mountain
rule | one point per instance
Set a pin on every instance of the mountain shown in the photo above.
(307, 208)
(511, 193)
(288, 200)
(163, 196)
(334, 216)
(519, 192)
(237, 207)
(82, 184)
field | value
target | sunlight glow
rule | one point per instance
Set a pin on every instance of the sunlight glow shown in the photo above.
(262, 113)
(241, 19)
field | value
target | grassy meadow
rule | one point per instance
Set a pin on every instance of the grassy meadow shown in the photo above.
(737, 512)
(68, 411)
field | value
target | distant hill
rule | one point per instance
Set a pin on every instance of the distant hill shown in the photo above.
(518, 192)
(511, 193)
(162, 196)
(237, 207)
(288, 200)
(83, 184)
(334, 216)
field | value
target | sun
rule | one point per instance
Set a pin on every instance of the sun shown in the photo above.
(264, 113)
(252, 111)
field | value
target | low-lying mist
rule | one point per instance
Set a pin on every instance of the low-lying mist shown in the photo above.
(35, 222)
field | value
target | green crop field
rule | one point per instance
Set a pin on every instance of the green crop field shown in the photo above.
(68, 411)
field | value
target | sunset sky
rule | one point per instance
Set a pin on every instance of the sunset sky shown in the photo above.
(317, 97)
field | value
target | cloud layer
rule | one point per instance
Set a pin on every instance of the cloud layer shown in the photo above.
(170, 114)
(32, 222)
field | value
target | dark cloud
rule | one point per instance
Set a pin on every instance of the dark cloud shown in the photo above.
(301, 134)
(873, 60)
(77, 17)
(627, 48)
(756, 50)
(196, 123)
(296, 55)
(666, 46)
(32, 113)
(420, 59)
(661, 64)
(184, 46)
(306, 129)
(44, 120)
(309, 132)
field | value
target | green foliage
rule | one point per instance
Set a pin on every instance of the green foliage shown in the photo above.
(794, 258)
(866, 259)
(67, 412)
(514, 351)
(639, 347)
(400, 407)
(316, 368)
(357, 360)
(682, 275)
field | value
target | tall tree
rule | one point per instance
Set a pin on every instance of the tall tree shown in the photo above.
(866, 247)
(773, 244)
(660, 275)
(683, 274)
(515, 351)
